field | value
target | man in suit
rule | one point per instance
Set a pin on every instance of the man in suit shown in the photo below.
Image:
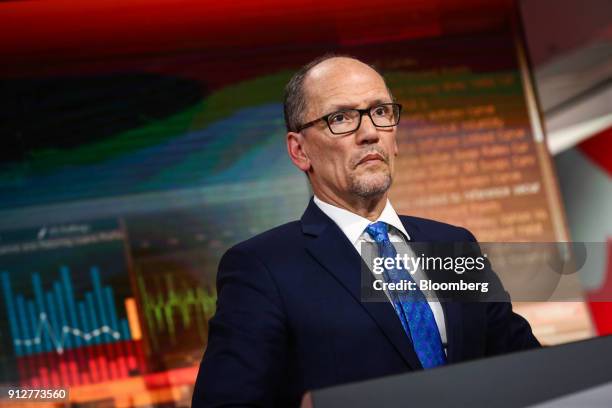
(290, 316)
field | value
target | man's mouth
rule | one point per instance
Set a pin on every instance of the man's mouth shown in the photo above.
(371, 158)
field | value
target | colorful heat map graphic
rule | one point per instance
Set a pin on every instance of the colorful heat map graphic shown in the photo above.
(219, 140)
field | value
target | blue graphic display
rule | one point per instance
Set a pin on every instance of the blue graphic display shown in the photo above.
(55, 320)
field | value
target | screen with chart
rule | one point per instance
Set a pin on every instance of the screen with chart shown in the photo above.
(134, 157)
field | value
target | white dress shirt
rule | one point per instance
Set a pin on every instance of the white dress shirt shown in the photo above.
(353, 226)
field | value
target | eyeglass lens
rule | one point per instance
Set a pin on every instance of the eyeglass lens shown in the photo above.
(348, 120)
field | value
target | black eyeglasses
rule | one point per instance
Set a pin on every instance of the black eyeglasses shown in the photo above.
(347, 121)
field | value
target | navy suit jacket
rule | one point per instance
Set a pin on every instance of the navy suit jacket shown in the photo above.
(289, 318)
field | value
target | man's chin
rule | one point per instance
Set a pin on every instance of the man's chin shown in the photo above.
(371, 186)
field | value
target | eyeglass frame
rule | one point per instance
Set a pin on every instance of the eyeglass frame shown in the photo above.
(362, 112)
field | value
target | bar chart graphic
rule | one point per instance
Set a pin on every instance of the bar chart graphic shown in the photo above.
(59, 340)
(54, 320)
(68, 316)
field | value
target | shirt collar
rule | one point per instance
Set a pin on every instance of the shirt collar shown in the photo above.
(353, 225)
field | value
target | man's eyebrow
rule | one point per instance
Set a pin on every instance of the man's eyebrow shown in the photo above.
(338, 107)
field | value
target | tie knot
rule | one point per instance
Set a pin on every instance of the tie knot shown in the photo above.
(378, 231)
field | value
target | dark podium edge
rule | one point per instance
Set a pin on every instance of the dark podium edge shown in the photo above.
(510, 380)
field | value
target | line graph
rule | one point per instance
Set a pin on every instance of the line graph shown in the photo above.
(193, 306)
(58, 343)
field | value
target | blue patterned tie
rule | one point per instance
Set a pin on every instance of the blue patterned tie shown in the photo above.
(411, 306)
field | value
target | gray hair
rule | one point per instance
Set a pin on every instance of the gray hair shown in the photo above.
(294, 104)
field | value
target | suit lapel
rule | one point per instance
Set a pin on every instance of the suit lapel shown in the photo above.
(332, 249)
(452, 310)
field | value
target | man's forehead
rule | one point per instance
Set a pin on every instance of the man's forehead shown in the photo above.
(340, 81)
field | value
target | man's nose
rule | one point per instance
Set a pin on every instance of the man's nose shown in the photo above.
(367, 132)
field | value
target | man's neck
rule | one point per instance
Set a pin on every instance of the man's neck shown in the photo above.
(367, 207)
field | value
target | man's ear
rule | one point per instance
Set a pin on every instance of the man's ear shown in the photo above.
(295, 148)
